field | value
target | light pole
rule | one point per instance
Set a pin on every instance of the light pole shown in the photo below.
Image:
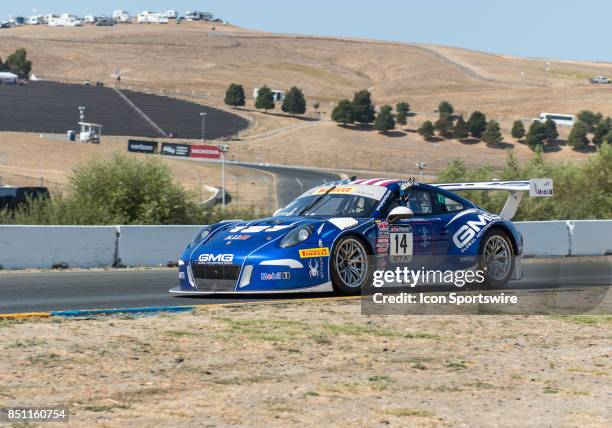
(203, 116)
(421, 166)
(223, 148)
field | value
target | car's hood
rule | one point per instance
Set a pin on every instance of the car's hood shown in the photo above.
(243, 237)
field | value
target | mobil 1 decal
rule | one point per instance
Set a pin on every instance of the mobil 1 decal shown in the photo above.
(400, 250)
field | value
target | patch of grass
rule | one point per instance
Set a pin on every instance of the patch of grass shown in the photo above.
(44, 359)
(101, 408)
(419, 366)
(550, 390)
(586, 319)
(381, 382)
(405, 412)
(180, 333)
(276, 330)
(481, 385)
(311, 394)
(588, 371)
(370, 330)
(28, 343)
(456, 365)
(321, 339)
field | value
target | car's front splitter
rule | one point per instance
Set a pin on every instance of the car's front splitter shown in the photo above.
(322, 288)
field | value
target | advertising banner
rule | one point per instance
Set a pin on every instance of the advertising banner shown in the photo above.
(204, 151)
(170, 149)
(139, 146)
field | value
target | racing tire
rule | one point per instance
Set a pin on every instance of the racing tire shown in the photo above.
(350, 265)
(496, 258)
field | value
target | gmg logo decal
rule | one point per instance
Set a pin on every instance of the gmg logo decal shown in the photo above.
(471, 229)
(216, 258)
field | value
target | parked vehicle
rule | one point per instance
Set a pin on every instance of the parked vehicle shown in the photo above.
(66, 20)
(146, 17)
(171, 14)
(36, 20)
(104, 21)
(198, 16)
(12, 197)
(599, 79)
(121, 16)
(558, 118)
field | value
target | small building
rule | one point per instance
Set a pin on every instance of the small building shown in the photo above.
(90, 132)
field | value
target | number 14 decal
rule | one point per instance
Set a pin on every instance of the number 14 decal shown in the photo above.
(401, 247)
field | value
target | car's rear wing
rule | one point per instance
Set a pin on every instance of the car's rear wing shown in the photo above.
(538, 187)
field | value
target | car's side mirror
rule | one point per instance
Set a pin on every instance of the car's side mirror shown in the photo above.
(399, 213)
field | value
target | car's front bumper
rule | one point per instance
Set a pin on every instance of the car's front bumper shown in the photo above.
(322, 288)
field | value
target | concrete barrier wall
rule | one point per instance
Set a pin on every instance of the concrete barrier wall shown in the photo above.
(153, 245)
(24, 247)
(544, 238)
(591, 237)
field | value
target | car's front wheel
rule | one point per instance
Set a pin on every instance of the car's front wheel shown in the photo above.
(496, 258)
(350, 265)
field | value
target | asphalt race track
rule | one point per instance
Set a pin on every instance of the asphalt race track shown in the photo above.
(48, 107)
(292, 182)
(50, 291)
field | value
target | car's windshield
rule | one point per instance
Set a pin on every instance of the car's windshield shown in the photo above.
(332, 205)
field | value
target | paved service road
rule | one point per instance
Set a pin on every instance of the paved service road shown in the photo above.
(50, 291)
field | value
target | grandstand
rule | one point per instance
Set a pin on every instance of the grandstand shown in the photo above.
(49, 107)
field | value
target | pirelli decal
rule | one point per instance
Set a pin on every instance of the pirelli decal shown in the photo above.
(314, 252)
(337, 190)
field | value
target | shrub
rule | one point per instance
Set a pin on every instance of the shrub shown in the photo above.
(344, 113)
(294, 102)
(445, 108)
(234, 96)
(461, 128)
(518, 130)
(426, 130)
(492, 134)
(363, 108)
(477, 123)
(265, 99)
(578, 136)
(384, 120)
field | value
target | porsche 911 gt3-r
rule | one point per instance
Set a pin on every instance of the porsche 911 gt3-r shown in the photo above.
(332, 237)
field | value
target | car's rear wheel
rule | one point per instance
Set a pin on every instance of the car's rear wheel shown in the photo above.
(496, 258)
(350, 265)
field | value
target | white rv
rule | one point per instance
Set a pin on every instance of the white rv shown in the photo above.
(558, 118)
(277, 94)
(121, 16)
(36, 20)
(90, 19)
(198, 16)
(146, 17)
(172, 14)
(66, 20)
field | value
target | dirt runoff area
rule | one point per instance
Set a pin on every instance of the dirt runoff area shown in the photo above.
(312, 363)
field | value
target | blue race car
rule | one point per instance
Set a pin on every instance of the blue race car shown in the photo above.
(334, 236)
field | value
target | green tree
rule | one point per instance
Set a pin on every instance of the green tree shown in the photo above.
(492, 134)
(601, 130)
(461, 128)
(344, 113)
(536, 134)
(607, 139)
(550, 130)
(19, 64)
(402, 107)
(384, 120)
(477, 123)
(426, 130)
(578, 136)
(234, 96)
(518, 130)
(444, 126)
(362, 106)
(445, 108)
(294, 102)
(265, 99)
(589, 118)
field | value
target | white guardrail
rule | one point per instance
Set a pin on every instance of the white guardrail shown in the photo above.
(24, 247)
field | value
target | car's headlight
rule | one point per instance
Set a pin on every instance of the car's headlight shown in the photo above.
(296, 236)
(200, 236)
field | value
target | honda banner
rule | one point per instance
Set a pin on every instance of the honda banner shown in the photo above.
(202, 151)
(142, 146)
(171, 149)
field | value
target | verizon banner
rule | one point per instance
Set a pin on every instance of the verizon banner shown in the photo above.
(203, 151)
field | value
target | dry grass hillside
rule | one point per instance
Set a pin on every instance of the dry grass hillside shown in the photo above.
(193, 61)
